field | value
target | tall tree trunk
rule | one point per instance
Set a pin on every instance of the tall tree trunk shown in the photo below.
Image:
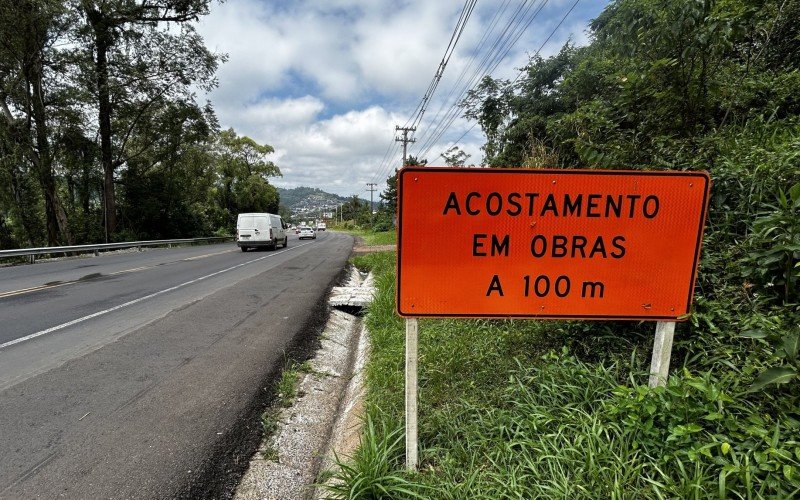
(57, 225)
(102, 43)
(85, 195)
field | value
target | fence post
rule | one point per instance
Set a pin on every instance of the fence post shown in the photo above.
(662, 351)
(412, 331)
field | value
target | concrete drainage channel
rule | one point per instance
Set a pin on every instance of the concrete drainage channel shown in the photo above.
(325, 417)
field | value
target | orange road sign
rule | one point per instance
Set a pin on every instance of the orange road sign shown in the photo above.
(571, 244)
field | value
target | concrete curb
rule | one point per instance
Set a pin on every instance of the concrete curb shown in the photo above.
(325, 419)
(346, 433)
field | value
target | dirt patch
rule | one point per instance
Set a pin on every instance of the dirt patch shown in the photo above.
(361, 249)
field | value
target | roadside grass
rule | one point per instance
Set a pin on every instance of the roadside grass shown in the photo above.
(287, 393)
(380, 238)
(525, 409)
(378, 262)
(269, 424)
(287, 385)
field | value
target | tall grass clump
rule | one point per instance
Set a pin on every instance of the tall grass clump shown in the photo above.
(375, 471)
(571, 429)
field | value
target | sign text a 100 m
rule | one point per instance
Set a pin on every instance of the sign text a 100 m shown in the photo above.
(590, 244)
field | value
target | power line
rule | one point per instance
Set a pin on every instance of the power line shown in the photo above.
(499, 50)
(419, 111)
(500, 46)
(569, 11)
(466, 12)
(386, 155)
(483, 68)
(385, 167)
(498, 13)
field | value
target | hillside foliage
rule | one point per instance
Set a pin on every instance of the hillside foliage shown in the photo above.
(699, 85)
(537, 409)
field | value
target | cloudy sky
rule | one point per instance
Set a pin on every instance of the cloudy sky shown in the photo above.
(325, 82)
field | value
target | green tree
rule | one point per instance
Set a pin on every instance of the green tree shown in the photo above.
(243, 171)
(455, 157)
(168, 187)
(488, 103)
(27, 93)
(142, 53)
(356, 209)
(19, 197)
(389, 195)
(413, 161)
(148, 159)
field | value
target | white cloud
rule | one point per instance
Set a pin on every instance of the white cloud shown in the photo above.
(326, 82)
(259, 55)
(340, 153)
(259, 118)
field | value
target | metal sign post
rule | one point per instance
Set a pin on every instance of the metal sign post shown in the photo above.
(411, 394)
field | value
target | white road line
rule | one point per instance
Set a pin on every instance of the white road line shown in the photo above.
(140, 299)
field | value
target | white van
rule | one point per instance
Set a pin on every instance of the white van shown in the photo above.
(260, 230)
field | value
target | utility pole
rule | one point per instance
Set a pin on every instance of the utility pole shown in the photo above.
(371, 187)
(411, 355)
(405, 140)
(411, 352)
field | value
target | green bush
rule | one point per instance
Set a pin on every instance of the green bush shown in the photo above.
(382, 226)
(774, 260)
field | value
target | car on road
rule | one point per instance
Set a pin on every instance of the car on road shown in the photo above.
(307, 232)
(321, 226)
(260, 230)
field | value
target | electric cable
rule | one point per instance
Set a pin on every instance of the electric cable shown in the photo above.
(419, 111)
(569, 11)
(500, 49)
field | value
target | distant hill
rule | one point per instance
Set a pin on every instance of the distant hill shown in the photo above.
(302, 200)
(303, 196)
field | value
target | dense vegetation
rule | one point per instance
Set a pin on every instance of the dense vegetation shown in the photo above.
(101, 133)
(698, 85)
(514, 409)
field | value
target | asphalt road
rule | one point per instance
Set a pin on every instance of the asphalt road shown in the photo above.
(142, 374)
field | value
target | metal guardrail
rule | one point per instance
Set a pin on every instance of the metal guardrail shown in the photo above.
(31, 253)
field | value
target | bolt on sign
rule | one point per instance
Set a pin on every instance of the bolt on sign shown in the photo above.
(571, 244)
